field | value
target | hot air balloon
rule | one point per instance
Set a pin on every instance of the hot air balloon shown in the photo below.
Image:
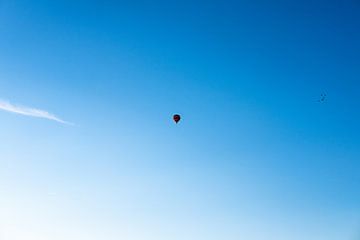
(176, 118)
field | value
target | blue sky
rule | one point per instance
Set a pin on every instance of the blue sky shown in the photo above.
(255, 157)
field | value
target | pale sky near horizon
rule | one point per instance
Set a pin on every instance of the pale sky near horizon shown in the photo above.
(255, 156)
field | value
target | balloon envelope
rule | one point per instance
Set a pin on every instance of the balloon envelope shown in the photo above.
(176, 118)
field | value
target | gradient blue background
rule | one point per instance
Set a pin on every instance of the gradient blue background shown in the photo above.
(256, 157)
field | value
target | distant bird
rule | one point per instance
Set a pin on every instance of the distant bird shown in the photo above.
(322, 97)
(176, 118)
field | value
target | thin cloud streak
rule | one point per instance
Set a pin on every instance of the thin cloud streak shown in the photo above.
(32, 112)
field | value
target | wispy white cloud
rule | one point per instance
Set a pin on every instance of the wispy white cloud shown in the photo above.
(32, 112)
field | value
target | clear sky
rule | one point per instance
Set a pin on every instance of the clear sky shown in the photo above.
(255, 157)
